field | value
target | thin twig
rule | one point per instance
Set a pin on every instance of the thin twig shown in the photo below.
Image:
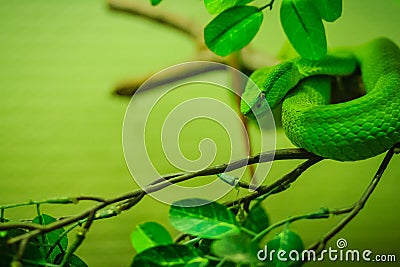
(320, 244)
(278, 185)
(57, 242)
(80, 236)
(322, 214)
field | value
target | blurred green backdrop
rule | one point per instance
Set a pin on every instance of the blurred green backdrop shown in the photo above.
(60, 127)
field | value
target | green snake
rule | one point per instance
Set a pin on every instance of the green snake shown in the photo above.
(347, 131)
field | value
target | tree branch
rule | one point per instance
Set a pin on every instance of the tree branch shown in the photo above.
(134, 197)
(130, 199)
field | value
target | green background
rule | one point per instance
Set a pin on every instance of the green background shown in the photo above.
(60, 127)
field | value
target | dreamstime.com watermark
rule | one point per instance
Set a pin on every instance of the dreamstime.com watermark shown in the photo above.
(340, 253)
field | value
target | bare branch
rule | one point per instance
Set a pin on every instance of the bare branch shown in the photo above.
(319, 245)
(129, 88)
(80, 236)
(250, 61)
(132, 198)
(173, 21)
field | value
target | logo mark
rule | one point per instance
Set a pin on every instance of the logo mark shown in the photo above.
(341, 243)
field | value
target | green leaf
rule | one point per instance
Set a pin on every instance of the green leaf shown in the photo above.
(257, 219)
(202, 218)
(155, 2)
(149, 234)
(233, 29)
(49, 239)
(303, 26)
(330, 10)
(236, 248)
(289, 245)
(169, 255)
(217, 6)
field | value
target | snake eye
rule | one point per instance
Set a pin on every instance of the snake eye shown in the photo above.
(262, 95)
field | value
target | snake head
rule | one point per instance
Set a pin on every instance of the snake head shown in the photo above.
(257, 108)
(253, 101)
(266, 88)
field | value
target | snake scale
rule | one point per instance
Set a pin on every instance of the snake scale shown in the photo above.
(352, 130)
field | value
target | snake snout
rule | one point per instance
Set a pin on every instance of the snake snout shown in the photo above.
(246, 109)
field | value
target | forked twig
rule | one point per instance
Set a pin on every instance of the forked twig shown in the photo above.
(358, 206)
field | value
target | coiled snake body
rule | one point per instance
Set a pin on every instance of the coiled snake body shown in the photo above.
(357, 129)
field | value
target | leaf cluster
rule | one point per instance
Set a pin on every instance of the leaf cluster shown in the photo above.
(218, 236)
(49, 248)
(237, 23)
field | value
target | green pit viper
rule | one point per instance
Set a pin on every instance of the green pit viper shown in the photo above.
(353, 130)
